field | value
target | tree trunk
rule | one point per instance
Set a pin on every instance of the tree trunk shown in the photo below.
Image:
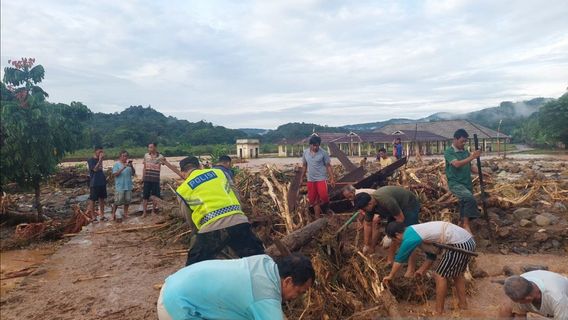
(297, 239)
(37, 201)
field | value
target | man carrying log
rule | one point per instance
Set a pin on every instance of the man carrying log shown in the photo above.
(453, 263)
(458, 172)
(247, 288)
(541, 292)
(317, 165)
(207, 197)
(393, 203)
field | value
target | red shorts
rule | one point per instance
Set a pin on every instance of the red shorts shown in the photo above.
(317, 192)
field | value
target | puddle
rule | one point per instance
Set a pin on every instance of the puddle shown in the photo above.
(15, 260)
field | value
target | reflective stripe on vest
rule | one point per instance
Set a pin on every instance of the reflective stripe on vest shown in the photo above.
(208, 194)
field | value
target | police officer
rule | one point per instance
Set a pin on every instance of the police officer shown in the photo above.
(207, 197)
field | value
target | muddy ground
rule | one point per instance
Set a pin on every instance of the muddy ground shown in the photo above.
(105, 272)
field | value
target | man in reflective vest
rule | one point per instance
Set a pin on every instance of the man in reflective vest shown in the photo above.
(215, 211)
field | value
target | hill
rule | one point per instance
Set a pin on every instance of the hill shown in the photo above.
(509, 113)
(137, 126)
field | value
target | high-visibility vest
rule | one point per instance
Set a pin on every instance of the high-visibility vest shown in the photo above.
(209, 195)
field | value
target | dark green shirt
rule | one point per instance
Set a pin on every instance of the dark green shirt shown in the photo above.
(455, 175)
(392, 200)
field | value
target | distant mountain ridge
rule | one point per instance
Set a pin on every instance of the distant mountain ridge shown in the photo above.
(508, 112)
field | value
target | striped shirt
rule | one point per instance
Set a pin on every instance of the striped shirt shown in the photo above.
(152, 166)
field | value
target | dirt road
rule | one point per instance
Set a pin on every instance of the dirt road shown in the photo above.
(108, 275)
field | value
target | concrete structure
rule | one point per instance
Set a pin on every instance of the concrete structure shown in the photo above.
(248, 148)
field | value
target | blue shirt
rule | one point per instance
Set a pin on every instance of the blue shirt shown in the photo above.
(398, 147)
(317, 164)
(238, 289)
(123, 182)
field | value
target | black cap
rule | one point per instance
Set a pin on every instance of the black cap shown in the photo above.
(193, 161)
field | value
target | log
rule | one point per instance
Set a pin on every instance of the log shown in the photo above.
(12, 218)
(294, 190)
(342, 157)
(299, 238)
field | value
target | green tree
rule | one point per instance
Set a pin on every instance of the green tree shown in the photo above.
(35, 134)
(553, 119)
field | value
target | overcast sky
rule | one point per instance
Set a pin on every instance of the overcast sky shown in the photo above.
(265, 63)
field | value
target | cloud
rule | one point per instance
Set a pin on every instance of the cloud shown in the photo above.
(264, 63)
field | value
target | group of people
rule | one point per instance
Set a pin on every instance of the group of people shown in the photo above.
(255, 286)
(123, 172)
(400, 208)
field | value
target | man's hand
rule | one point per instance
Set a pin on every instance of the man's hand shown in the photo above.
(475, 154)
(387, 279)
(367, 249)
(332, 182)
(419, 273)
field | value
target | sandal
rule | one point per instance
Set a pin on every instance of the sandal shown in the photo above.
(104, 218)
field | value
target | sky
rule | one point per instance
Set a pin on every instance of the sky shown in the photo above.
(260, 64)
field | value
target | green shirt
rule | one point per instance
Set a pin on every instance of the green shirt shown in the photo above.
(392, 200)
(455, 175)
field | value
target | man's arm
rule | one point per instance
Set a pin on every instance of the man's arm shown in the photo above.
(116, 172)
(330, 174)
(460, 163)
(266, 309)
(506, 311)
(173, 168)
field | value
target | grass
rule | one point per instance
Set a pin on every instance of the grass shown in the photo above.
(168, 151)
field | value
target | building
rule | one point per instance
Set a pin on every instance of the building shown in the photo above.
(248, 148)
(489, 139)
(425, 137)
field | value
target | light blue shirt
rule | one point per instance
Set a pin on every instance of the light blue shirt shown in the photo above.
(247, 288)
(317, 164)
(123, 182)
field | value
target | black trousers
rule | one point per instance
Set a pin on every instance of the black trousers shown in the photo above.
(239, 237)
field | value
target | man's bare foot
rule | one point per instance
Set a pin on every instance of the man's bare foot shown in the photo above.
(143, 215)
(409, 274)
(463, 306)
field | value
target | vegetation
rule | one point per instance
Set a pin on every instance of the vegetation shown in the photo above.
(138, 126)
(547, 127)
(35, 134)
(295, 130)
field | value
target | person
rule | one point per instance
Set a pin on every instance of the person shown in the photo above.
(207, 197)
(225, 164)
(452, 264)
(397, 149)
(383, 159)
(349, 192)
(315, 163)
(458, 172)
(249, 288)
(97, 184)
(541, 292)
(123, 170)
(153, 162)
(395, 204)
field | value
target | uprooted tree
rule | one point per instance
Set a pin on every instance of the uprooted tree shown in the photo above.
(34, 134)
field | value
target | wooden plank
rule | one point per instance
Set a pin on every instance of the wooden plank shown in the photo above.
(378, 178)
(354, 175)
(341, 156)
(342, 205)
(294, 190)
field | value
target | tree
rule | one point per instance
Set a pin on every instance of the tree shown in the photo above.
(553, 118)
(35, 134)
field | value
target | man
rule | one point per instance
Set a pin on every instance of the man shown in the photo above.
(248, 288)
(97, 184)
(216, 213)
(153, 162)
(225, 164)
(458, 171)
(383, 159)
(453, 263)
(316, 162)
(123, 172)
(394, 203)
(541, 292)
(349, 192)
(397, 149)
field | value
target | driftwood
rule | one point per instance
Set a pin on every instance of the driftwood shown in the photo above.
(91, 278)
(20, 273)
(297, 239)
(341, 156)
(161, 225)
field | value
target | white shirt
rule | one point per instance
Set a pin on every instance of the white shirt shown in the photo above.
(554, 293)
(432, 232)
